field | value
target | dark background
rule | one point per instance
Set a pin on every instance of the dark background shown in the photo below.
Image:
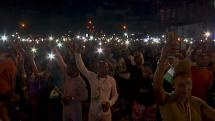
(59, 16)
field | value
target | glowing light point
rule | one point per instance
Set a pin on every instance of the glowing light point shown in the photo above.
(33, 50)
(59, 45)
(78, 37)
(91, 37)
(4, 38)
(99, 50)
(127, 42)
(51, 56)
(207, 34)
(100, 43)
(51, 38)
(186, 40)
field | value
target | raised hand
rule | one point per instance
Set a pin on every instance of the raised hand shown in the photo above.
(170, 47)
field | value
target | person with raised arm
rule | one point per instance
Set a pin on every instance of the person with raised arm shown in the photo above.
(75, 91)
(179, 105)
(103, 88)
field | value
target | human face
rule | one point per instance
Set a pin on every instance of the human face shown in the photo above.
(139, 59)
(73, 72)
(103, 68)
(183, 87)
(202, 60)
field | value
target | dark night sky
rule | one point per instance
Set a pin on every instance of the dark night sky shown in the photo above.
(52, 15)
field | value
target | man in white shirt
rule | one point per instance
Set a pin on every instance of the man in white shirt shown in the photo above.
(75, 91)
(103, 89)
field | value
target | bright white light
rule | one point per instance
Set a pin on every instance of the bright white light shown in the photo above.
(78, 37)
(99, 50)
(191, 42)
(207, 34)
(59, 45)
(108, 40)
(4, 38)
(100, 43)
(87, 35)
(51, 38)
(214, 40)
(163, 36)
(51, 56)
(186, 40)
(127, 42)
(33, 50)
(83, 38)
(146, 39)
(125, 34)
(91, 37)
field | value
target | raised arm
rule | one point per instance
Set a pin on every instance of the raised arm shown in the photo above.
(159, 73)
(76, 50)
(34, 66)
(81, 66)
(60, 59)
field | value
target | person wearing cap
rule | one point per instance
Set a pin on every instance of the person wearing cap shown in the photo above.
(179, 105)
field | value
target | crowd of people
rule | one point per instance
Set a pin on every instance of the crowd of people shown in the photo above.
(154, 83)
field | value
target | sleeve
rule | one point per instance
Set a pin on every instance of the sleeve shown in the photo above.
(83, 89)
(82, 68)
(114, 93)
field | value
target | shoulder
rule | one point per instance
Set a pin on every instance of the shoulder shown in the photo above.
(198, 101)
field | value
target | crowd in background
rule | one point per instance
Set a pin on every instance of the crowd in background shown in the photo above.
(120, 80)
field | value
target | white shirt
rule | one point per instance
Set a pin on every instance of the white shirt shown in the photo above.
(102, 89)
(75, 87)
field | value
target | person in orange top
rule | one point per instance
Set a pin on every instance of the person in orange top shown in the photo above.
(7, 83)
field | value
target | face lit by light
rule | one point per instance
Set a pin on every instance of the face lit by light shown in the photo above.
(4, 38)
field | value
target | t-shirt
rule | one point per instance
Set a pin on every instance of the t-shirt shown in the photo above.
(202, 82)
(172, 111)
(7, 76)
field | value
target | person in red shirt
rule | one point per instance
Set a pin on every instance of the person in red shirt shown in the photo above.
(7, 83)
(202, 77)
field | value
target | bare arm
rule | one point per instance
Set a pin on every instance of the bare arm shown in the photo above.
(158, 82)
(81, 66)
(60, 59)
(159, 73)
